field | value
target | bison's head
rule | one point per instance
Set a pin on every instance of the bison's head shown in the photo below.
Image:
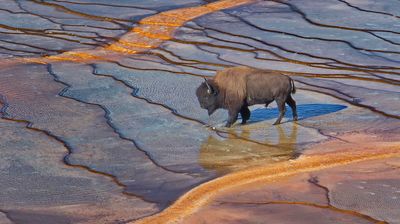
(207, 94)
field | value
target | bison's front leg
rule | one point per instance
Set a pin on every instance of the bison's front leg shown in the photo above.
(233, 115)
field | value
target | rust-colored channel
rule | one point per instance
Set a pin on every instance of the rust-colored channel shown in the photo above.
(205, 193)
(149, 33)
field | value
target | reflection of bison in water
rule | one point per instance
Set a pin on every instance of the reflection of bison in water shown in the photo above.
(228, 154)
(237, 88)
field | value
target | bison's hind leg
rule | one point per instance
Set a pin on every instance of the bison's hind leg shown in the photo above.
(290, 101)
(245, 113)
(281, 106)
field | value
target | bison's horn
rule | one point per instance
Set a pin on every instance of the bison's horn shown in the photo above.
(209, 90)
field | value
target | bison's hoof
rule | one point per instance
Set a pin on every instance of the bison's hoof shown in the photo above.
(295, 118)
(228, 125)
(276, 123)
(244, 122)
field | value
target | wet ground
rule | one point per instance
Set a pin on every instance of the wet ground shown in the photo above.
(100, 122)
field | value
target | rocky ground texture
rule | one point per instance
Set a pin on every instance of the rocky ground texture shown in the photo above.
(100, 122)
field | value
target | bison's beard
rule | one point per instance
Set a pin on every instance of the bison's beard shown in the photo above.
(211, 110)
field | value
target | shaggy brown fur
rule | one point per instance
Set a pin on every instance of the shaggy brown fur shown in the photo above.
(237, 88)
(231, 83)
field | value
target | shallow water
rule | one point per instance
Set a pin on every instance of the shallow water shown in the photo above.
(116, 126)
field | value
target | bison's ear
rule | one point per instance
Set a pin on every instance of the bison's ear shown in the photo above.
(210, 90)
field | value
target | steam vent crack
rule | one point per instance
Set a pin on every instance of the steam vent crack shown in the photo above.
(100, 122)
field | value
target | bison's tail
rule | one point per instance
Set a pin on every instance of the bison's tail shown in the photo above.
(292, 85)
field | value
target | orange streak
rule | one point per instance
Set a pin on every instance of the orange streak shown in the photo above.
(150, 33)
(203, 194)
(162, 26)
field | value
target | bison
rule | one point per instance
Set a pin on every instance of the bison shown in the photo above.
(236, 88)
